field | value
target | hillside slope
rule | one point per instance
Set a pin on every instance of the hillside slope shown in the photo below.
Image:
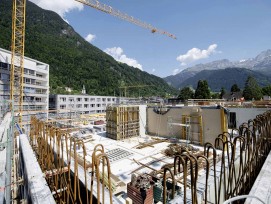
(73, 61)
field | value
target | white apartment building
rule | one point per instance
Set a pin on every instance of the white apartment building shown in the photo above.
(85, 104)
(36, 82)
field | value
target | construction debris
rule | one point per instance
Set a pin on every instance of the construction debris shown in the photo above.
(176, 149)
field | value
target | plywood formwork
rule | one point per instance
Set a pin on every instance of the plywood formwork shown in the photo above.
(122, 122)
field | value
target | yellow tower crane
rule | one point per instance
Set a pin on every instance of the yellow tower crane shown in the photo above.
(17, 56)
(108, 9)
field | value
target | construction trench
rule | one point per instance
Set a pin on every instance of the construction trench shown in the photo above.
(213, 173)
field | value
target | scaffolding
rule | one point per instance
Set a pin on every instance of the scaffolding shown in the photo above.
(193, 128)
(185, 125)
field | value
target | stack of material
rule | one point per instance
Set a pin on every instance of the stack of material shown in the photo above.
(122, 122)
(140, 189)
(176, 149)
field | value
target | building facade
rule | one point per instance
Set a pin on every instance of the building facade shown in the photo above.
(36, 82)
(85, 104)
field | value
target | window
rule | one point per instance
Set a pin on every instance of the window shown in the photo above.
(103, 99)
(85, 105)
(92, 99)
(32, 72)
(78, 99)
(86, 99)
(63, 99)
(39, 75)
(62, 106)
(71, 99)
(79, 106)
(108, 99)
(29, 90)
(4, 76)
(27, 81)
(5, 87)
(3, 65)
(92, 105)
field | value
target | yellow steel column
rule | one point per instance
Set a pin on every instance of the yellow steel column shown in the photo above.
(224, 127)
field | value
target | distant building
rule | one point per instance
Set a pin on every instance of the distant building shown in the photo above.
(233, 96)
(36, 82)
(266, 98)
(174, 101)
(68, 89)
(81, 103)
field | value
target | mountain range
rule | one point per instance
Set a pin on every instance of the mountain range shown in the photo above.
(217, 73)
(73, 61)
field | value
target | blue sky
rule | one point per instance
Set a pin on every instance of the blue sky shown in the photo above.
(206, 30)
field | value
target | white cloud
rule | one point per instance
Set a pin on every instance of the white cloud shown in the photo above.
(90, 37)
(153, 70)
(117, 54)
(176, 71)
(196, 54)
(59, 6)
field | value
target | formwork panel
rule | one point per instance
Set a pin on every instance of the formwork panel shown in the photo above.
(122, 122)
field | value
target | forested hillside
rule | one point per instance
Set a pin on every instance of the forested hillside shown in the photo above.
(73, 61)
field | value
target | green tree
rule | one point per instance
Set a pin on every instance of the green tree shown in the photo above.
(202, 91)
(235, 88)
(222, 92)
(252, 90)
(266, 90)
(215, 95)
(186, 93)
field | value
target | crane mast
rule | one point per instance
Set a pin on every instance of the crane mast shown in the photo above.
(17, 56)
(108, 9)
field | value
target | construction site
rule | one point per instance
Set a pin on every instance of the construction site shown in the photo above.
(201, 152)
(136, 154)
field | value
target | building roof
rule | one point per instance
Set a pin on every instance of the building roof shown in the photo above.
(233, 96)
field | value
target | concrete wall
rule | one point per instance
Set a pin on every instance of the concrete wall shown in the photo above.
(160, 124)
(244, 114)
